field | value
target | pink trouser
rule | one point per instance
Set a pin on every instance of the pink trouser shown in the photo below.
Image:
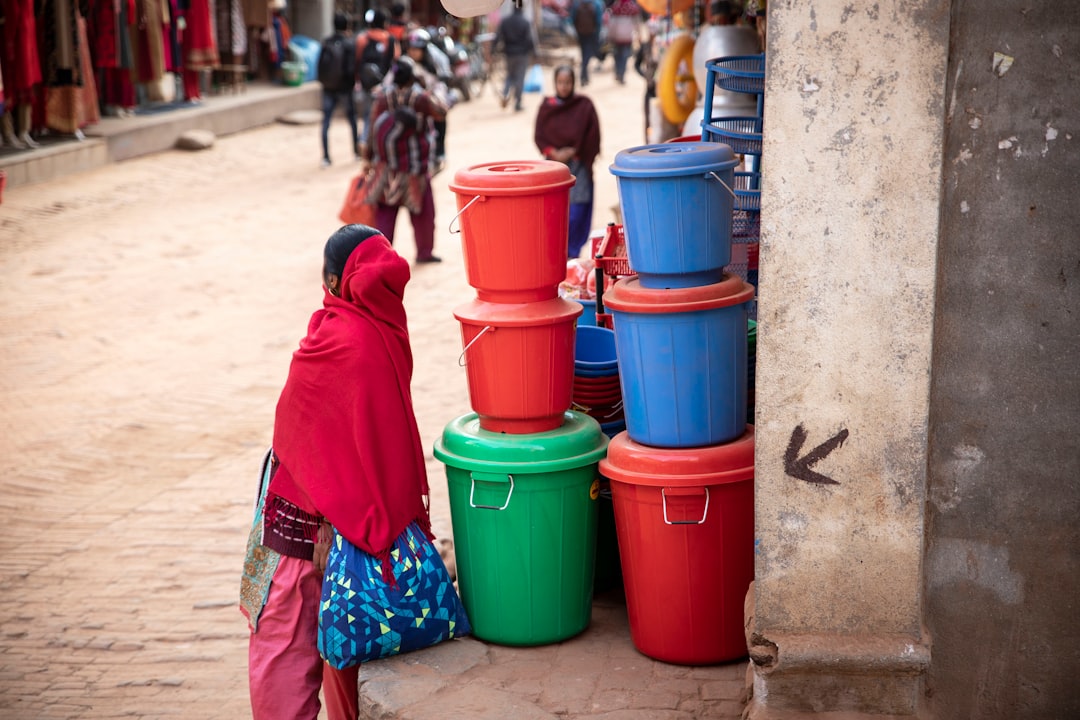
(285, 670)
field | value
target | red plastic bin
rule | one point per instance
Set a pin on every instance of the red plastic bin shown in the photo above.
(514, 221)
(685, 523)
(519, 362)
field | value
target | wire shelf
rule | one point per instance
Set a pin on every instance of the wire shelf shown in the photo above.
(746, 218)
(738, 73)
(741, 134)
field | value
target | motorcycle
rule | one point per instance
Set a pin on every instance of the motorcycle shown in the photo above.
(461, 67)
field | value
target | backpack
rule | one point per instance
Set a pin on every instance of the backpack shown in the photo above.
(375, 60)
(337, 64)
(585, 18)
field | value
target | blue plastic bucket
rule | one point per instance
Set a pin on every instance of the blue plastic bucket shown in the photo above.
(588, 317)
(594, 350)
(612, 429)
(306, 50)
(683, 361)
(677, 202)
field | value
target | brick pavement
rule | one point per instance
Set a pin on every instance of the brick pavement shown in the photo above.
(148, 310)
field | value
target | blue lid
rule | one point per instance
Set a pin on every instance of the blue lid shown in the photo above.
(668, 159)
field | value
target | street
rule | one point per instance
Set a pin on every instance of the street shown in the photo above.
(149, 311)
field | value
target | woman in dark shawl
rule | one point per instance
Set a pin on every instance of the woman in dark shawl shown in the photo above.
(568, 130)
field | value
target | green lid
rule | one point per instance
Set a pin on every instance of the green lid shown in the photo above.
(579, 441)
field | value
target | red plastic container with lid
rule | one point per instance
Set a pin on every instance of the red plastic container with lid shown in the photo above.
(514, 218)
(519, 362)
(685, 523)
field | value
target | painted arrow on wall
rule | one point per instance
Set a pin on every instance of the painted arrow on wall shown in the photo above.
(799, 467)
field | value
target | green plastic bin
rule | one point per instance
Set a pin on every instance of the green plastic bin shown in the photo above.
(523, 509)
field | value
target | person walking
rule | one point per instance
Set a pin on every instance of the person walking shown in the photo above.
(346, 451)
(376, 50)
(588, 18)
(568, 130)
(514, 39)
(401, 153)
(398, 26)
(623, 29)
(337, 75)
(433, 73)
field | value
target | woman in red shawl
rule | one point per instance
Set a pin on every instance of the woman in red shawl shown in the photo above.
(568, 130)
(346, 451)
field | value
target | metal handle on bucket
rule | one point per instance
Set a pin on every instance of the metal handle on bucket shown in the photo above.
(719, 180)
(704, 514)
(477, 337)
(493, 479)
(450, 227)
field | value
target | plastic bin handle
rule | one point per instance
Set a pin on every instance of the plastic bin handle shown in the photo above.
(704, 513)
(450, 227)
(477, 337)
(719, 180)
(489, 478)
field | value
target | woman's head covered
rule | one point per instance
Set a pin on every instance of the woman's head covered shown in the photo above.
(340, 246)
(564, 81)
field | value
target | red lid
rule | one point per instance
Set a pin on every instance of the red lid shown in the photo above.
(522, 177)
(545, 312)
(632, 462)
(628, 295)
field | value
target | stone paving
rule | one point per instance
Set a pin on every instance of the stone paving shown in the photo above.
(148, 310)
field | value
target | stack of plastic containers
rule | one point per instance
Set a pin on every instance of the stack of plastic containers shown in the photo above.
(596, 378)
(682, 472)
(741, 74)
(597, 393)
(521, 468)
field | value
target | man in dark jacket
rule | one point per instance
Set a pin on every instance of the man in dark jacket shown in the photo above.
(515, 39)
(337, 75)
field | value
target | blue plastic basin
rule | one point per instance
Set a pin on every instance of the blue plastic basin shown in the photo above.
(594, 350)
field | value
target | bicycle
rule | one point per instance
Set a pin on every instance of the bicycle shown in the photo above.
(486, 66)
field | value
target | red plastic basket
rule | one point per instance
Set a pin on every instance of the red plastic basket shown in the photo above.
(609, 252)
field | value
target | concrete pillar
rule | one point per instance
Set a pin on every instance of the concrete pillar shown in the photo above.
(852, 161)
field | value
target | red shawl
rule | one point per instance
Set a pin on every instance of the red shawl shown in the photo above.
(569, 122)
(345, 430)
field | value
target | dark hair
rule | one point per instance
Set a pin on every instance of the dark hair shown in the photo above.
(404, 71)
(340, 246)
(397, 9)
(376, 18)
(340, 21)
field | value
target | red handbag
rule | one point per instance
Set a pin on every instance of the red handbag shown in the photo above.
(355, 209)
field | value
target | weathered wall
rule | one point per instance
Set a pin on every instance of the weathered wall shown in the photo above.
(1003, 549)
(855, 103)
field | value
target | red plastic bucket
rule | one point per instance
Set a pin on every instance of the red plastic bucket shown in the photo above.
(519, 362)
(514, 217)
(685, 521)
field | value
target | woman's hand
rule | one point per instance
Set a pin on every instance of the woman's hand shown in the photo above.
(322, 547)
(564, 154)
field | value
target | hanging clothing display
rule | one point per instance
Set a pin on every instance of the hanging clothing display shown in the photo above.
(199, 46)
(231, 32)
(109, 30)
(66, 66)
(149, 35)
(19, 58)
